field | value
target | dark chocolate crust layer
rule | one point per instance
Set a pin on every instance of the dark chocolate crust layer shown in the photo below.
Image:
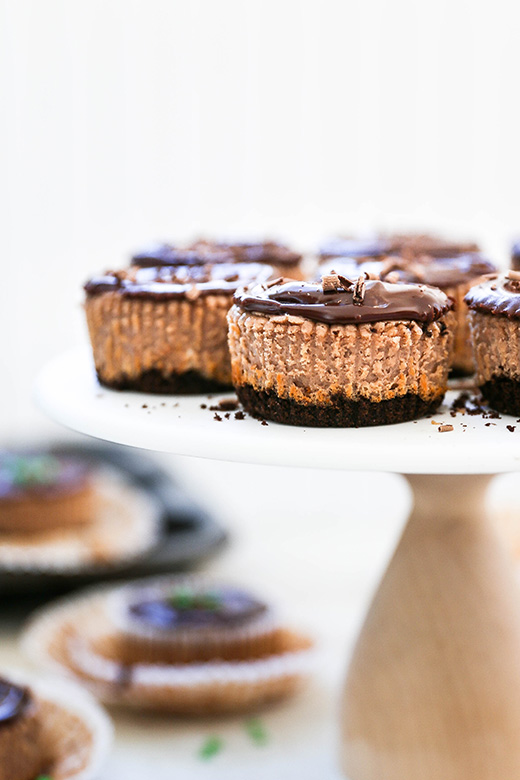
(189, 383)
(342, 413)
(349, 302)
(502, 394)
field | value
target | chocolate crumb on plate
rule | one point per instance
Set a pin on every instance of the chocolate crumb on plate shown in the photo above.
(217, 417)
(511, 428)
(240, 416)
(445, 428)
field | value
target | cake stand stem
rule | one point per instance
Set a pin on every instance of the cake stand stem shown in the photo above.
(433, 690)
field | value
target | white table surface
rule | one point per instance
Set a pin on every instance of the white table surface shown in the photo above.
(317, 542)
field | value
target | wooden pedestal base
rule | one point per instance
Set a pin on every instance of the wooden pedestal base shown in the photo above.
(433, 690)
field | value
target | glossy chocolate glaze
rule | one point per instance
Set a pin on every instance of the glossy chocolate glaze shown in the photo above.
(204, 251)
(170, 255)
(218, 608)
(177, 282)
(444, 272)
(497, 295)
(410, 245)
(259, 252)
(23, 474)
(382, 302)
(14, 700)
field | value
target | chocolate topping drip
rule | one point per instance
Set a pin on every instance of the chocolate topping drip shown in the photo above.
(426, 269)
(14, 700)
(40, 473)
(498, 294)
(203, 252)
(367, 301)
(176, 282)
(216, 608)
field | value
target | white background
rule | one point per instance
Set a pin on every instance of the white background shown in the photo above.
(125, 121)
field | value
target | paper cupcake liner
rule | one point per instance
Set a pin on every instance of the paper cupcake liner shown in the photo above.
(126, 527)
(131, 337)
(77, 734)
(77, 639)
(140, 643)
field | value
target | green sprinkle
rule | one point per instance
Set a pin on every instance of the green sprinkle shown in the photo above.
(211, 747)
(256, 730)
(44, 777)
(185, 598)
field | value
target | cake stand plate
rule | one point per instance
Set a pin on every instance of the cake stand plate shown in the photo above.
(67, 390)
(433, 689)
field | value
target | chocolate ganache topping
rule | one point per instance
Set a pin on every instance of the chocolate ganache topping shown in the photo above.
(435, 271)
(338, 300)
(40, 473)
(178, 282)
(14, 701)
(170, 255)
(203, 251)
(410, 245)
(220, 607)
(498, 294)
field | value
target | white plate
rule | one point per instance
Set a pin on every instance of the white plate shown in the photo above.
(68, 391)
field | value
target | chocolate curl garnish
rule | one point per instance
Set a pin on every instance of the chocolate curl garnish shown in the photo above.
(392, 277)
(274, 282)
(346, 283)
(330, 283)
(513, 276)
(359, 290)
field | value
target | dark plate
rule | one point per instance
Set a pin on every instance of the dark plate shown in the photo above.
(189, 535)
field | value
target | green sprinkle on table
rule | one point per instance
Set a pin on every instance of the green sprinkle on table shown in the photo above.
(211, 747)
(256, 730)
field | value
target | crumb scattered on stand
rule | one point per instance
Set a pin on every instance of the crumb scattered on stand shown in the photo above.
(511, 428)
(445, 428)
(217, 417)
(144, 406)
(240, 416)
(203, 406)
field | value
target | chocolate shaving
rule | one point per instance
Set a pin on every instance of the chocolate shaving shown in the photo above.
(345, 282)
(240, 416)
(274, 282)
(445, 428)
(359, 290)
(514, 276)
(511, 428)
(330, 283)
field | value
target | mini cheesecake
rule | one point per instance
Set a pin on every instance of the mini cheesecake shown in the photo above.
(50, 730)
(22, 752)
(453, 275)
(495, 331)
(163, 329)
(282, 259)
(188, 621)
(181, 646)
(41, 492)
(340, 352)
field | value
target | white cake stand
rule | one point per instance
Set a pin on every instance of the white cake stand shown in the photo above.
(433, 690)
